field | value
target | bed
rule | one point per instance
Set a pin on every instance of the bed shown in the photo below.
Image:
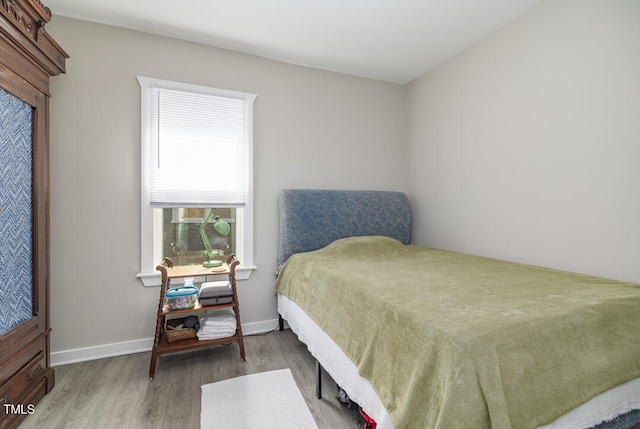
(423, 338)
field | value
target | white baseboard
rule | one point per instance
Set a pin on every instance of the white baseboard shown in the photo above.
(137, 346)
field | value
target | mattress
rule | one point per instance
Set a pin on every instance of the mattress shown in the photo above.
(601, 408)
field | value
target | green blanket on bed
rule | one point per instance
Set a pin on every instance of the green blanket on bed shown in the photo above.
(457, 341)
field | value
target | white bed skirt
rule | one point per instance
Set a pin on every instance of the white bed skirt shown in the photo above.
(603, 407)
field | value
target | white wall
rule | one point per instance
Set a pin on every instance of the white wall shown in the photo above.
(526, 145)
(522, 147)
(313, 129)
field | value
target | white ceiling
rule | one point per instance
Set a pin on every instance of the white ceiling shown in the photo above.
(391, 40)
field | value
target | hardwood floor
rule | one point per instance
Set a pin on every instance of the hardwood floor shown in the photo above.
(117, 393)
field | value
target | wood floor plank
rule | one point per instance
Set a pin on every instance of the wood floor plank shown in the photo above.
(117, 393)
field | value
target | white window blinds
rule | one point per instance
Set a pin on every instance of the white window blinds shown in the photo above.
(199, 146)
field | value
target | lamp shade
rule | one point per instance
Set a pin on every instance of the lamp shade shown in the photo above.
(221, 227)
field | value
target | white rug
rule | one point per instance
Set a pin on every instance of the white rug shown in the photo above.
(267, 400)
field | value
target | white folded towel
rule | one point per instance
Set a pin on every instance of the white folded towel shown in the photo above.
(222, 321)
(219, 324)
(205, 335)
(216, 329)
(219, 318)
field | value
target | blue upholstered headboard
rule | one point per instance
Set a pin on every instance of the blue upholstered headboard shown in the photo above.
(312, 218)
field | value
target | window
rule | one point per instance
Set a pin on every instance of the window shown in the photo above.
(197, 146)
(182, 230)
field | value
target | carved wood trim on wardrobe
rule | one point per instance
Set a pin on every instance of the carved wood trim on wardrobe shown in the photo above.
(29, 57)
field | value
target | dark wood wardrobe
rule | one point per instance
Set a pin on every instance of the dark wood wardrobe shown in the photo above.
(28, 58)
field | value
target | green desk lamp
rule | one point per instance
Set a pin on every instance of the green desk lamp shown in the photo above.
(221, 228)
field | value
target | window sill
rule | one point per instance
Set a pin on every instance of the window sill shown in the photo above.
(155, 279)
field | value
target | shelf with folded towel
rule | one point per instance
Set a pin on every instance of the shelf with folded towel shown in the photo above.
(219, 323)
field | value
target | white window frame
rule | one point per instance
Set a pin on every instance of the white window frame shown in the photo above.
(150, 245)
